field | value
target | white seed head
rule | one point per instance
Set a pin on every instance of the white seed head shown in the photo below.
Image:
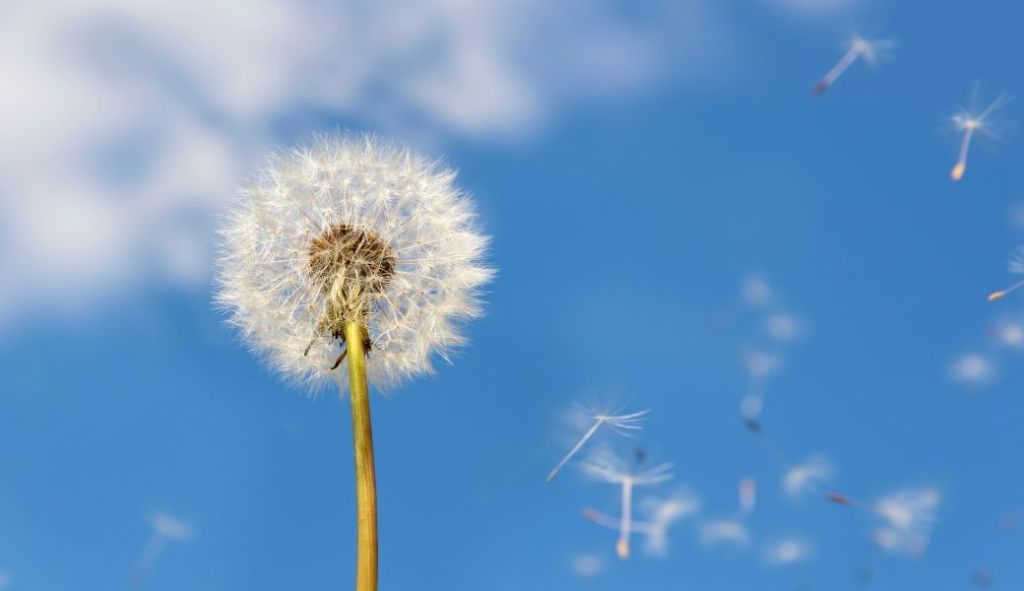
(908, 517)
(352, 227)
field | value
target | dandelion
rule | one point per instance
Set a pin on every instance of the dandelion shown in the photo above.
(908, 518)
(871, 51)
(607, 467)
(1016, 267)
(166, 528)
(786, 552)
(807, 476)
(622, 423)
(354, 248)
(976, 120)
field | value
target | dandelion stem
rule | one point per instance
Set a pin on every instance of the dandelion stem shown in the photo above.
(362, 437)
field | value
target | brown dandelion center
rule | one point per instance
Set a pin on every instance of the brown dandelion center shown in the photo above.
(355, 262)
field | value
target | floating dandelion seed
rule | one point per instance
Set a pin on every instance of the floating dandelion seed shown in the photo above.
(1009, 333)
(1016, 267)
(660, 514)
(973, 369)
(871, 51)
(747, 496)
(605, 466)
(908, 519)
(724, 531)
(587, 565)
(166, 528)
(786, 552)
(623, 423)
(5, 579)
(757, 292)
(783, 327)
(732, 530)
(354, 242)
(975, 120)
(807, 476)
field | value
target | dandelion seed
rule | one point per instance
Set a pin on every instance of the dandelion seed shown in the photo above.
(1009, 333)
(975, 120)
(1016, 267)
(786, 552)
(982, 578)
(807, 476)
(973, 369)
(623, 423)
(908, 519)
(724, 531)
(166, 528)
(5, 579)
(587, 565)
(661, 514)
(783, 327)
(355, 243)
(871, 51)
(605, 466)
(757, 292)
(747, 496)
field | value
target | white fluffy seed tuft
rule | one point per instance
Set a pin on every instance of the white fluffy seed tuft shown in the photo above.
(407, 202)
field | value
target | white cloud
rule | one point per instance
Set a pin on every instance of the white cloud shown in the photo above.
(127, 123)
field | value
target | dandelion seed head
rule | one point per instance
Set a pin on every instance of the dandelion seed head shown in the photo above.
(787, 551)
(908, 518)
(352, 227)
(171, 527)
(807, 476)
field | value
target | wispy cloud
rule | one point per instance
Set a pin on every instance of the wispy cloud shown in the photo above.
(127, 123)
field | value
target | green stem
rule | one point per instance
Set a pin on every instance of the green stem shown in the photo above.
(362, 438)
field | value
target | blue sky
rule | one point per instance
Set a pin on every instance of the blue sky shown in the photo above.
(624, 220)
